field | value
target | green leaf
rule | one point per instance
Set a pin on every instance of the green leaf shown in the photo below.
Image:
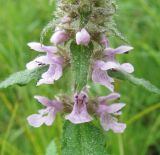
(83, 139)
(51, 149)
(136, 81)
(23, 77)
(80, 63)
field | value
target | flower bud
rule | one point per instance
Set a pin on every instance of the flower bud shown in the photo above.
(59, 37)
(65, 19)
(104, 41)
(83, 37)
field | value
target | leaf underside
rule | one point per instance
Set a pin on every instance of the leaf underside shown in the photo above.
(83, 139)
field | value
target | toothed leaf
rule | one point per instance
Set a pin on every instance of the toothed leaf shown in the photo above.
(83, 139)
(23, 77)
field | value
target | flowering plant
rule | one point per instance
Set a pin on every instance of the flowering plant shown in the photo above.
(80, 43)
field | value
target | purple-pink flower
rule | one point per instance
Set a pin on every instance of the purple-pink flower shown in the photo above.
(47, 115)
(60, 36)
(99, 74)
(54, 61)
(101, 77)
(79, 113)
(108, 112)
(82, 37)
(42, 48)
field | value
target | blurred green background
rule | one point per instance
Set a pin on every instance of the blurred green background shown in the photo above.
(21, 21)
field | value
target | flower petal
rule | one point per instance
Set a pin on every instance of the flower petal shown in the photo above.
(112, 96)
(119, 50)
(32, 65)
(111, 109)
(38, 62)
(55, 59)
(49, 75)
(101, 77)
(109, 122)
(122, 49)
(44, 81)
(127, 67)
(110, 65)
(118, 127)
(57, 105)
(43, 100)
(79, 115)
(47, 78)
(59, 37)
(49, 119)
(42, 48)
(54, 73)
(44, 111)
(76, 118)
(98, 64)
(58, 72)
(109, 51)
(35, 120)
(82, 37)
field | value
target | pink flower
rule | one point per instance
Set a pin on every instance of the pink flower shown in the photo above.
(99, 74)
(79, 113)
(42, 48)
(83, 37)
(59, 37)
(101, 77)
(54, 61)
(54, 72)
(47, 115)
(108, 112)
